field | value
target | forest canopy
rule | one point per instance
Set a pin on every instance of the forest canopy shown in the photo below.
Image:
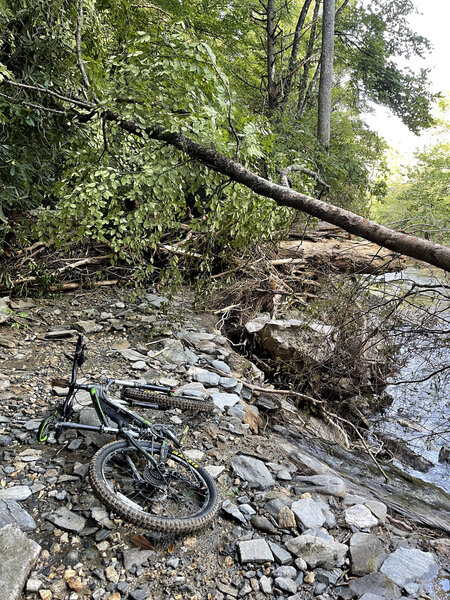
(241, 78)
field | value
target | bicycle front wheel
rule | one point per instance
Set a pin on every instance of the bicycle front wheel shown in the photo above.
(177, 496)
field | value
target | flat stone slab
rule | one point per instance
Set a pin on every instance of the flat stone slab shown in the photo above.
(255, 551)
(136, 557)
(17, 492)
(408, 565)
(308, 513)
(11, 513)
(253, 471)
(324, 484)
(377, 584)
(18, 554)
(223, 400)
(67, 520)
(360, 516)
(366, 552)
(318, 552)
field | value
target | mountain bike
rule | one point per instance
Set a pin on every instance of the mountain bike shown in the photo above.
(145, 478)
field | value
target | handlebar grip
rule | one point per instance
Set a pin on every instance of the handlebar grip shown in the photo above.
(60, 382)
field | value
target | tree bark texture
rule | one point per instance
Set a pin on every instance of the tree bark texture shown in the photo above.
(326, 73)
(271, 40)
(403, 243)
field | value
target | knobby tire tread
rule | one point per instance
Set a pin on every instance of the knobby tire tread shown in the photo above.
(167, 401)
(153, 523)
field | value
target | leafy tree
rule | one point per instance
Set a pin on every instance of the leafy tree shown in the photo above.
(92, 77)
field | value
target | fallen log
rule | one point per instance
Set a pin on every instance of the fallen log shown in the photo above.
(350, 256)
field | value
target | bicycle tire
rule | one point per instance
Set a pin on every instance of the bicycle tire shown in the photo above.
(109, 473)
(165, 402)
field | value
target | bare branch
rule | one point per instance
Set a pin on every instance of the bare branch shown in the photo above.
(285, 174)
(80, 19)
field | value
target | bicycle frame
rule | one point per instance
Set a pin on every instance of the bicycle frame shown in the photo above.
(129, 424)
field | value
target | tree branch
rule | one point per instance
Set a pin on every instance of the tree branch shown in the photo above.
(80, 19)
(403, 243)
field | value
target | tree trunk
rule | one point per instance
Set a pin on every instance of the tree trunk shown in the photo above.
(403, 243)
(303, 90)
(292, 66)
(271, 83)
(326, 74)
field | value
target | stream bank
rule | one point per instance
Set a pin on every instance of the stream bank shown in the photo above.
(291, 526)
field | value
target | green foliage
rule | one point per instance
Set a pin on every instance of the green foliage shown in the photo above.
(422, 203)
(419, 200)
(371, 38)
(199, 68)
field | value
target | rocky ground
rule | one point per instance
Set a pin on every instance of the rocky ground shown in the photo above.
(289, 527)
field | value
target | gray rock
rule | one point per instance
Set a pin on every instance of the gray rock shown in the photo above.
(407, 565)
(274, 506)
(265, 583)
(232, 510)
(33, 585)
(18, 554)
(156, 300)
(444, 454)
(255, 551)
(329, 577)
(285, 584)
(324, 484)
(375, 583)
(228, 383)
(237, 411)
(223, 400)
(207, 378)
(307, 464)
(263, 524)
(320, 533)
(87, 327)
(102, 517)
(139, 365)
(139, 594)
(214, 470)
(370, 596)
(133, 355)
(308, 513)
(317, 552)
(253, 471)
(247, 509)
(136, 557)
(360, 516)
(282, 556)
(12, 513)
(293, 340)
(5, 311)
(366, 553)
(67, 520)
(290, 572)
(379, 509)
(17, 492)
(88, 416)
(221, 366)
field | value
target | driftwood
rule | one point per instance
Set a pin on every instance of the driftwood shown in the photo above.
(350, 256)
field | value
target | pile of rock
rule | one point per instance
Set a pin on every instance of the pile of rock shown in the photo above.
(289, 527)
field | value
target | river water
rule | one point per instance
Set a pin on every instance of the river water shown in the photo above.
(419, 414)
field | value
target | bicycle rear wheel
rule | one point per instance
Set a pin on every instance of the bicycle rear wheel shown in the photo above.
(164, 401)
(176, 497)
